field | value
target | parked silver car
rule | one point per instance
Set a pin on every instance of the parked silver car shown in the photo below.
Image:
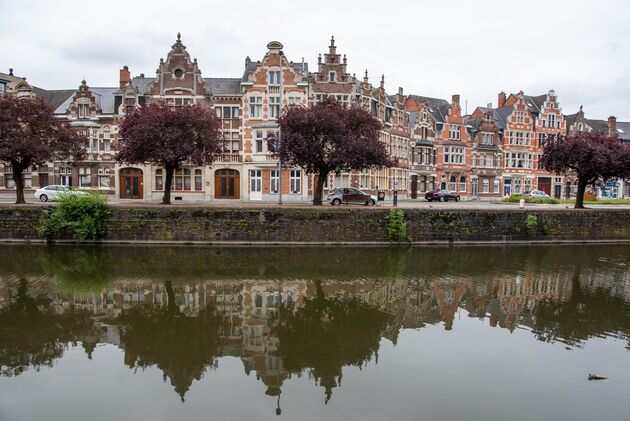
(350, 196)
(54, 192)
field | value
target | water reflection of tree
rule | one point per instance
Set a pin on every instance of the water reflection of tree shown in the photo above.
(328, 333)
(587, 312)
(182, 347)
(33, 336)
(77, 269)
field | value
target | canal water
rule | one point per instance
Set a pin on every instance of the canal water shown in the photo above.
(175, 333)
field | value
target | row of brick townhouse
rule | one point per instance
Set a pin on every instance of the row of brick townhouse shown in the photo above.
(491, 153)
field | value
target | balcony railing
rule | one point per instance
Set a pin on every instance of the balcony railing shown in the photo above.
(230, 157)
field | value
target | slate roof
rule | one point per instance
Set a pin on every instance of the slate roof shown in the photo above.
(104, 98)
(142, 84)
(501, 115)
(623, 129)
(54, 98)
(535, 103)
(599, 126)
(438, 108)
(223, 86)
(251, 67)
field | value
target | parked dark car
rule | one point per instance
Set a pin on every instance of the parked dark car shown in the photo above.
(441, 196)
(349, 195)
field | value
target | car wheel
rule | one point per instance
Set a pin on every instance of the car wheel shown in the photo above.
(43, 198)
(442, 199)
(372, 202)
(336, 202)
(457, 199)
(429, 200)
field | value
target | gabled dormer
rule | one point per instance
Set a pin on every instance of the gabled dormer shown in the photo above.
(178, 78)
(84, 105)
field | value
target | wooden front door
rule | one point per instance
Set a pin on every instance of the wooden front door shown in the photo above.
(414, 186)
(131, 183)
(43, 180)
(227, 184)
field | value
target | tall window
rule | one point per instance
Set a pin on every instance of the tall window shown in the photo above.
(94, 141)
(452, 186)
(104, 181)
(274, 181)
(295, 181)
(260, 135)
(84, 110)
(332, 77)
(274, 106)
(182, 180)
(485, 185)
(454, 132)
(255, 106)
(107, 142)
(552, 120)
(487, 139)
(159, 180)
(453, 155)
(198, 180)
(496, 186)
(85, 177)
(274, 77)
(462, 184)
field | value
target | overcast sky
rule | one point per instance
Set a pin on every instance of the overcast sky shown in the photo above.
(434, 48)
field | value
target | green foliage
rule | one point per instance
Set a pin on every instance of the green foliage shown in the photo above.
(81, 215)
(531, 221)
(397, 226)
(515, 198)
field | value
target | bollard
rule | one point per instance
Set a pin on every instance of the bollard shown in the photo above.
(395, 198)
(521, 203)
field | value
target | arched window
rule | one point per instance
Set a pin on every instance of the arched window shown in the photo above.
(453, 184)
(462, 184)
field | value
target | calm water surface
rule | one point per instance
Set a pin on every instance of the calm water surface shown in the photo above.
(483, 333)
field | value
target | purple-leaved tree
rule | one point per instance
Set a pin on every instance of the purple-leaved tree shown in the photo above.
(31, 135)
(592, 157)
(168, 136)
(329, 137)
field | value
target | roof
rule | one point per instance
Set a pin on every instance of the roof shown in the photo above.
(623, 130)
(438, 108)
(251, 66)
(142, 84)
(599, 126)
(104, 98)
(535, 103)
(54, 98)
(501, 115)
(224, 86)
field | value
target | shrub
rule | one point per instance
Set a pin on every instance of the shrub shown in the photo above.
(397, 226)
(531, 221)
(545, 200)
(81, 215)
(513, 198)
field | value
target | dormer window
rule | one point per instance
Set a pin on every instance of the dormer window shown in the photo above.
(3, 87)
(84, 110)
(332, 76)
(274, 77)
(179, 73)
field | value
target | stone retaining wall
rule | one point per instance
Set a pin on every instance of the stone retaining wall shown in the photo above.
(335, 225)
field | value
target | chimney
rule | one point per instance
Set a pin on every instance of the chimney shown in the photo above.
(502, 99)
(489, 105)
(247, 61)
(125, 76)
(612, 125)
(400, 91)
(11, 71)
(383, 82)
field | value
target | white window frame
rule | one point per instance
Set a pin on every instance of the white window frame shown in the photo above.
(295, 182)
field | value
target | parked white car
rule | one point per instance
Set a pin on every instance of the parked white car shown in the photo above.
(538, 194)
(54, 192)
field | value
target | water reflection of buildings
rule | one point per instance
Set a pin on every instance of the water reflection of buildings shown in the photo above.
(248, 311)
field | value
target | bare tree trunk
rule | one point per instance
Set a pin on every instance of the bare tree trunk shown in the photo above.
(319, 188)
(168, 182)
(579, 198)
(19, 183)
